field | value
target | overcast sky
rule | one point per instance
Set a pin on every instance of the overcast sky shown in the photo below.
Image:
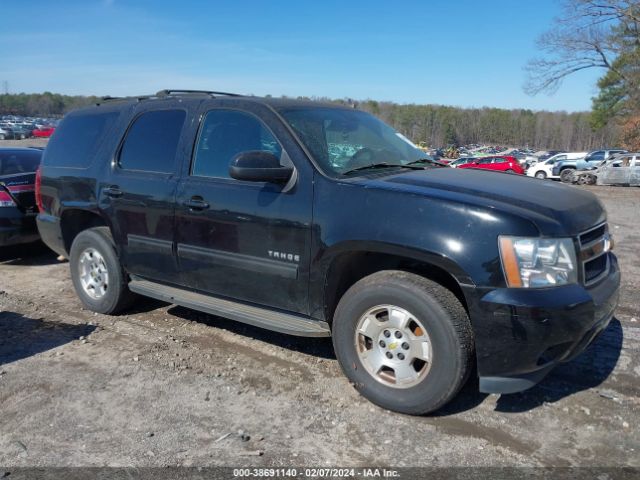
(463, 53)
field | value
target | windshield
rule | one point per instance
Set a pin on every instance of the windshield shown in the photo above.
(342, 140)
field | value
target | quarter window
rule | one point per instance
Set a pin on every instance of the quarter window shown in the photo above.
(223, 135)
(77, 139)
(152, 141)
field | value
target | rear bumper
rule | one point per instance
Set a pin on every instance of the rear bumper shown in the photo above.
(521, 334)
(51, 233)
(16, 227)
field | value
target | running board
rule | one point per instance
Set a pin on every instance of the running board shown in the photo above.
(260, 317)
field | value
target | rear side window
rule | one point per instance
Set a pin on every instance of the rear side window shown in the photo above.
(12, 163)
(152, 141)
(595, 156)
(76, 139)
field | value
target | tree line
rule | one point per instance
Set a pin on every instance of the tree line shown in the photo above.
(435, 125)
(441, 125)
(45, 104)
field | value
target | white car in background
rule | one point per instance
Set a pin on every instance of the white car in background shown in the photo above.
(544, 169)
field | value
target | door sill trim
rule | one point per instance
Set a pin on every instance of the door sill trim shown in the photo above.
(289, 323)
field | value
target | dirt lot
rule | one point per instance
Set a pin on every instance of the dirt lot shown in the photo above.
(164, 385)
(29, 142)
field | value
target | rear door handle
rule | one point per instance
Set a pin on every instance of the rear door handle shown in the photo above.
(113, 191)
(196, 203)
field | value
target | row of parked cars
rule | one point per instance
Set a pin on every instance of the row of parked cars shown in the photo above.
(14, 127)
(569, 167)
(607, 166)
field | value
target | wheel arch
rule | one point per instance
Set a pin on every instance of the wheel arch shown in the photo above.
(346, 265)
(75, 220)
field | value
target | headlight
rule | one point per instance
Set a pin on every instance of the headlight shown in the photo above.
(538, 262)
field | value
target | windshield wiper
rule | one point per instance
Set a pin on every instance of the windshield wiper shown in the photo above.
(381, 165)
(426, 160)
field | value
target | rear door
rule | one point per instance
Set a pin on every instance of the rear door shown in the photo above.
(140, 190)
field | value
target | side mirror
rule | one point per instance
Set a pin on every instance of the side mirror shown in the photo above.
(259, 166)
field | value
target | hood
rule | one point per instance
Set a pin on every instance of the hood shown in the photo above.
(556, 209)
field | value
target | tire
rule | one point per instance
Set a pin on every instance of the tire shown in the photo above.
(541, 175)
(436, 309)
(566, 175)
(95, 247)
(508, 170)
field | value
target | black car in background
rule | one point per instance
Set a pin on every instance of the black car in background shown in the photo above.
(17, 196)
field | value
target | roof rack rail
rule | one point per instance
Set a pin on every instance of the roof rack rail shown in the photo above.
(138, 98)
(166, 92)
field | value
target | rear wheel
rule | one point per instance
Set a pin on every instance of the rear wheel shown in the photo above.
(508, 170)
(566, 176)
(404, 341)
(97, 275)
(542, 175)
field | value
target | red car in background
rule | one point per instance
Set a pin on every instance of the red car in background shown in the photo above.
(44, 132)
(500, 163)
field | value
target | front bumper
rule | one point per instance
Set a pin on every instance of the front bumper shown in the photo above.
(521, 334)
(16, 227)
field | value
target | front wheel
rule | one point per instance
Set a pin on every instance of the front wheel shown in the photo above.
(404, 341)
(97, 275)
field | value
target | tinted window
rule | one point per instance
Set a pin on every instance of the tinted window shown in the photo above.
(224, 134)
(152, 141)
(76, 139)
(485, 161)
(13, 162)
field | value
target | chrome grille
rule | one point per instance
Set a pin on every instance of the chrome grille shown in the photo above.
(594, 244)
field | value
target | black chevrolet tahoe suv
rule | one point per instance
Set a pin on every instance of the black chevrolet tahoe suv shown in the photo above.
(321, 220)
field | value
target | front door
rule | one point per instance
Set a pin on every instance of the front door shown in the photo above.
(248, 241)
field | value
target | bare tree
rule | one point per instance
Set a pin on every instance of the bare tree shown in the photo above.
(587, 35)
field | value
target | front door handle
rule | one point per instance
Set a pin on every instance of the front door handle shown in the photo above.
(196, 203)
(113, 191)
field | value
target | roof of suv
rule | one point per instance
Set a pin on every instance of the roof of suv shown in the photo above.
(199, 94)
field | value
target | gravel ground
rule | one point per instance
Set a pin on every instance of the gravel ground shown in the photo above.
(29, 142)
(164, 386)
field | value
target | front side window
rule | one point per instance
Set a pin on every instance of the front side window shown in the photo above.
(341, 140)
(152, 141)
(596, 156)
(224, 134)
